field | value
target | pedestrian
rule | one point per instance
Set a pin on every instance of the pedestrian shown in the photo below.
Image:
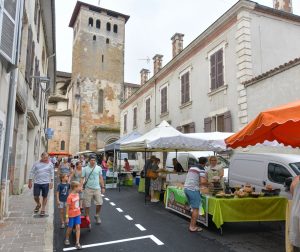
(73, 214)
(126, 165)
(62, 193)
(41, 175)
(177, 166)
(110, 163)
(76, 176)
(64, 167)
(93, 187)
(83, 161)
(148, 165)
(104, 168)
(155, 183)
(194, 178)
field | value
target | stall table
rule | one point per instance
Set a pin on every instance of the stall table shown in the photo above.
(229, 210)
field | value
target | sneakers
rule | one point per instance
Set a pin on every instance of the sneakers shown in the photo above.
(67, 242)
(98, 220)
(62, 226)
(78, 246)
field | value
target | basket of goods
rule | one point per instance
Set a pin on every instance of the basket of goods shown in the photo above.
(228, 196)
(269, 191)
(215, 187)
(254, 195)
(241, 194)
(248, 188)
(220, 195)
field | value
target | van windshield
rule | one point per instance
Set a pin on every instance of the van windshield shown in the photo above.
(295, 167)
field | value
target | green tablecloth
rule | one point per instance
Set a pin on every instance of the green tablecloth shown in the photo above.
(246, 209)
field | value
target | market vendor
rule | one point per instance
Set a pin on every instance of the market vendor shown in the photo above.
(177, 166)
(194, 178)
(215, 171)
(155, 184)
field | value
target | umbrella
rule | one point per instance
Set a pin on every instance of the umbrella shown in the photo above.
(280, 123)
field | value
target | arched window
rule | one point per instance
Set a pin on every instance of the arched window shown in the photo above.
(98, 24)
(100, 101)
(91, 22)
(94, 37)
(62, 145)
(60, 123)
(115, 28)
(108, 26)
(87, 146)
(107, 41)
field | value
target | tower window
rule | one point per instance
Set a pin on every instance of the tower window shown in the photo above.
(94, 37)
(102, 58)
(108, 26)
(60, 123)
(91, 22)
(98, 24)
(62, 145)
(107, 41)
(87, 146)
(100, 101)
(115, 28)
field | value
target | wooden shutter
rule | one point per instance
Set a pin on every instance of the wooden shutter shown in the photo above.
(148, 109)
(32, 63)
(207, 124)
(9, 11)
(164, 100)
(135, 117)
(179, 128)
(125, 122)
(219, 66)
(187, 87)
(36, 11)
(28, 56)
(182, 89)
(192, 127)
(227, 122)
(100, 101)
(213, 75)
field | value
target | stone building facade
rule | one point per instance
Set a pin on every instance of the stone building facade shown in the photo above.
(25, 89)
(97, 79)
(203, 87)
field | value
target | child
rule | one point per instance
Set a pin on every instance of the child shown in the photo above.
(73, 213)
(62, 193)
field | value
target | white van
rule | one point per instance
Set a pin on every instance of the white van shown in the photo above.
(260, 169)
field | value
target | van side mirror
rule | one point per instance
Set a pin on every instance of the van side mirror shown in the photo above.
(287, 183)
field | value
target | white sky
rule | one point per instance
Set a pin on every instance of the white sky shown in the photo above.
(149, 29)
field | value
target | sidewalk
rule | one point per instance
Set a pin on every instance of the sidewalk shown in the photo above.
(22, 231)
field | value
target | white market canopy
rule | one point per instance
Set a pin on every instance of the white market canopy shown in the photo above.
(211, 141)
(142, 143)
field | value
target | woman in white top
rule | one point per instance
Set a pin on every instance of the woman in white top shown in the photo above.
(214, 170)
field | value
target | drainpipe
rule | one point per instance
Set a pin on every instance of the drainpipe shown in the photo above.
(155, 102)
(10, 120)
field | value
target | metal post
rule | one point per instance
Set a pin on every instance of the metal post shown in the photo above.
(119, 175)
(145, 175)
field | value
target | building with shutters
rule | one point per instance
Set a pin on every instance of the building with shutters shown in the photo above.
(97, 85)
(27, 49)
(204, 86)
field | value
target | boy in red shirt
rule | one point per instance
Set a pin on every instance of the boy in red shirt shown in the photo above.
(73, 213)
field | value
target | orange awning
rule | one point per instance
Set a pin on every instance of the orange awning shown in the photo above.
(280, 123)
(57, 153)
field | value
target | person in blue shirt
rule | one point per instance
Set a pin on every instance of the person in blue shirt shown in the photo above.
(62, 194)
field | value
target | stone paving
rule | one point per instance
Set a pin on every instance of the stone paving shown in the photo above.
(22, 230)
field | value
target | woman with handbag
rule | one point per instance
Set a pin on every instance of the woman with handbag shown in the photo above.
(156, 181)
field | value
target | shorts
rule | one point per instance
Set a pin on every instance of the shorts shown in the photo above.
(90, 194)
(62, 205)
(194, 198)
(38, 188)
(104, 174)
(73, 221)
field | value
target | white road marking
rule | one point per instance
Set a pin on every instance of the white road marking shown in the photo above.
(140, 227)
(128, 217)
(112, 203)
(119, 210)
(106, 199)
(102, 195)
(152, 237)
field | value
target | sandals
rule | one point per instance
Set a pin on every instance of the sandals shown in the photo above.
(42, 214)
(67, 242)
(37, 208)
(198, 229)
(78, 246)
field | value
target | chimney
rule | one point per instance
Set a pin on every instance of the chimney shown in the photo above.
(177, 43)
(283, 5)
(144, 75)
(157, 63)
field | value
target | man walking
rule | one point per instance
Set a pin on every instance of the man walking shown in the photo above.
(41, 175)
(148, 166)
(194, 178)
(93, 187)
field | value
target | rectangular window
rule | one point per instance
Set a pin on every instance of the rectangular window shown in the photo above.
(125, 123)
(148, 102)
(164, 100)
(216, 70)
(185, 88)
(135, 117)
(278, 173)
(101, 102)
(220, 123)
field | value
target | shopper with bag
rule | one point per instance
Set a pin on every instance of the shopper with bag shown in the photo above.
(93, 186)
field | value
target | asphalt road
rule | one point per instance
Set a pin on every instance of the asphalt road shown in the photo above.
(165, 231)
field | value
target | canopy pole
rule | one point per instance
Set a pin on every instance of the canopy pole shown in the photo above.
(119, 175)
(114, 164)
(176, 153)
(145, 175)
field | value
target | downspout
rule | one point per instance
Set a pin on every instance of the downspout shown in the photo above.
(155, 102)
(10, 119)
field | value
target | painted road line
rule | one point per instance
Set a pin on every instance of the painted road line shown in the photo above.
(128, 217)
(119, 210)
(140, 227)
(107, 199)
(112, 203)
(152, 237)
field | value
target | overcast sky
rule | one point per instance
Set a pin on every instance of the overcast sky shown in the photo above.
(149, 29)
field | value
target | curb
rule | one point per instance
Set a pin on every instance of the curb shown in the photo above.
(49, 228)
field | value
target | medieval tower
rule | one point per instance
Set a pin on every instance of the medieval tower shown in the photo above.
(97, 76)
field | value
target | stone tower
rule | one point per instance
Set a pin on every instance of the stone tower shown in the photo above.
(97, 76)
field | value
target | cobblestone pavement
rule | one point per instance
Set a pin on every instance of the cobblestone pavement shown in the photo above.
(22, 230)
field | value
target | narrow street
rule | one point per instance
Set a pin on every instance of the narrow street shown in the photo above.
(161, 230)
